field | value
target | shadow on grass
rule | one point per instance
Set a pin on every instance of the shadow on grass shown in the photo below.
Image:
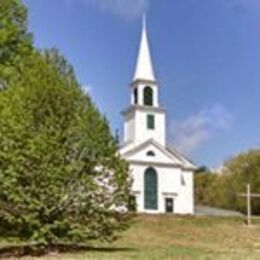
(39, 250)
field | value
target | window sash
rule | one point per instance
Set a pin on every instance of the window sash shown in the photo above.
(150, 122)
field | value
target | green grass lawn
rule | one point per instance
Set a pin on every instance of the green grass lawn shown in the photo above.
(175, 237)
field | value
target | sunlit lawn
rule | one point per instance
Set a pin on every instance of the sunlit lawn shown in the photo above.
(174, 237)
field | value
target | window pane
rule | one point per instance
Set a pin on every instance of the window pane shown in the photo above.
(150, 189)
(148, 96)
(150, 122)
(135, 96)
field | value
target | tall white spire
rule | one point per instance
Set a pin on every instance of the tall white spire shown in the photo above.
(144, 67)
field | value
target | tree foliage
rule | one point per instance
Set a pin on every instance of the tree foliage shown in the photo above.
(61, 178)
(222, 190)
(240, 170)
(15, 41)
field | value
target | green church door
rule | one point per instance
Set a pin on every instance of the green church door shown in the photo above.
(150, 189)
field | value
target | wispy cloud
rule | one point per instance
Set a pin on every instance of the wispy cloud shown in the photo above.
(188, 135)
(125, 8)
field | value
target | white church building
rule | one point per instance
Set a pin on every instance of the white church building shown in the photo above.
(162, 177)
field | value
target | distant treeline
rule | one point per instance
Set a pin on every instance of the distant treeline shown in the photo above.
(221, 189)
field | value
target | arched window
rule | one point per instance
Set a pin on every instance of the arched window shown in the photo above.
(135, 96)
(148, 96)
(150, 153)
(150, 189)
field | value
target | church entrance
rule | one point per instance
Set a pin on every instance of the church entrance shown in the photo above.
(150, 189)
(169, 205)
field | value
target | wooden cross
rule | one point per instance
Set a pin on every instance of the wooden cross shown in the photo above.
(248, 196)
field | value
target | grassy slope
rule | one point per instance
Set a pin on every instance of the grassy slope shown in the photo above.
(173, 237)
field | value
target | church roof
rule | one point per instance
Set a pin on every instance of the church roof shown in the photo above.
(144, 67)
(175, 157)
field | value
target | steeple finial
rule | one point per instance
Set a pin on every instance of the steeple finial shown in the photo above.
(144, 66)
(144, 21)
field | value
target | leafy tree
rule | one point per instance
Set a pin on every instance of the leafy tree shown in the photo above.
(240, 170)
(53, 57)
(60, 175)
(61, 178)
(222, 190)
(15, 41)
(203, 179)
(209, 188)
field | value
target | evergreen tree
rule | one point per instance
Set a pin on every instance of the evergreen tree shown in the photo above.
(61, 178)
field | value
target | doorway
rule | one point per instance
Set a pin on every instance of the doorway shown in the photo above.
(169, 205)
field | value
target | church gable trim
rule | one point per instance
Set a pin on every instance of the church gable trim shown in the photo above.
(181, 157)
(161, 164)
(132, 108)
(176, 161)
(143, 81)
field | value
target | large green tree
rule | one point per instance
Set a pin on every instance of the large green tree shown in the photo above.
(222, 190)
(61, 178)
(15, 41)
(239, 171)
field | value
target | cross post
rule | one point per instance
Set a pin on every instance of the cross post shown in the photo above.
(248, 193)
(249, 196)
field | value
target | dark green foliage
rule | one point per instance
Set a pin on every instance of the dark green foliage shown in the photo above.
(61, 178)
(57, 153)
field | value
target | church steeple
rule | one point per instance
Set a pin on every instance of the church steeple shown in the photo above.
(145, 118)
(144, 67)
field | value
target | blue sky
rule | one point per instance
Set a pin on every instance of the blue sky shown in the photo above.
(206, 55)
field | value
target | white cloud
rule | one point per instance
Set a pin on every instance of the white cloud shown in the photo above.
(188, 135)
(125, 8)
